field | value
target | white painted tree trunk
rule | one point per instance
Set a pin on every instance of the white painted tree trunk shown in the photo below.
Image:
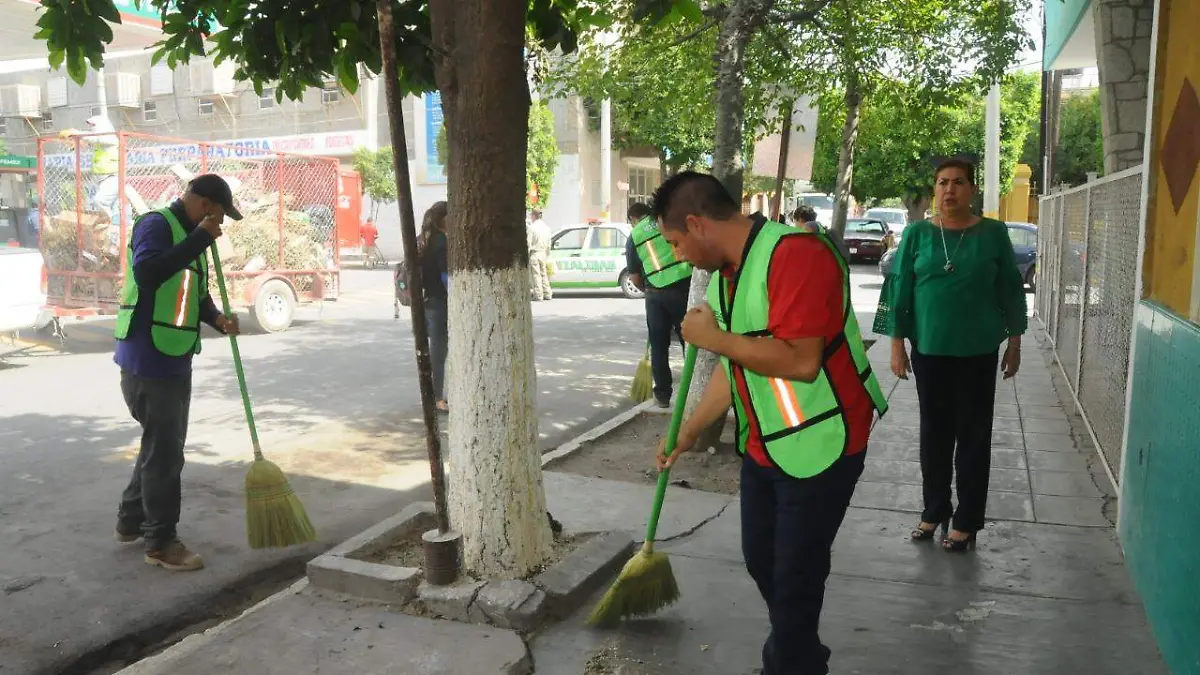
(497, 499)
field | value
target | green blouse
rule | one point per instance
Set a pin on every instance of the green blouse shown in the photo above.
(968, 311)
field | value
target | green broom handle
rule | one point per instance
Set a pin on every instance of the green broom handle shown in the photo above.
(685, 382)
(237, 355)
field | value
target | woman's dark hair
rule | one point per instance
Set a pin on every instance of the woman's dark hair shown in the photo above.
(967, 168)
(804, 214)
(435, 219)
(640, 210)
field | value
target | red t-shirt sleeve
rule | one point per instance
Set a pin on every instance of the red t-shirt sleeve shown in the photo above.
(805, 290)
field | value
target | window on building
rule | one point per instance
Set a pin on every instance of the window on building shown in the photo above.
(641, 184)
(331, 93)
(47, 121)
(149, 111)
(162, 80)
(205, 108)
(94, 111)
(266, 100)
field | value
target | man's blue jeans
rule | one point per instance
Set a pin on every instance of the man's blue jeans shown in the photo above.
(664, 314)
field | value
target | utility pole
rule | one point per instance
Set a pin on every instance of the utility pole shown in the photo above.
(991, 156)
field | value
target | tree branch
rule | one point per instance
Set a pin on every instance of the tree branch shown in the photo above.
(695, 34)
(802, 16)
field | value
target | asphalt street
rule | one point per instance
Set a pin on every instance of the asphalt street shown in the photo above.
(337, 406)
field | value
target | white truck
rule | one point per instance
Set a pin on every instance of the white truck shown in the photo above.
(22, 289)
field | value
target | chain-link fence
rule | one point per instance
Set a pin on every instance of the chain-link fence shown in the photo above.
(1088, 246)
(93, 187)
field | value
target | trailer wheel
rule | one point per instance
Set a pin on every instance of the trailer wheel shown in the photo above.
(274, 307)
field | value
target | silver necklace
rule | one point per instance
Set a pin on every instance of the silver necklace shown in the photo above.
(949, 266)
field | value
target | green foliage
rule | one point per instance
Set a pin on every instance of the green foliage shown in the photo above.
(542, 154)
(378, 176)
(1080, 141)
(291, 46)
(541, 158)
(900, 133)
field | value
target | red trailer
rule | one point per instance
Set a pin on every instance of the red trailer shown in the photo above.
(284, 252)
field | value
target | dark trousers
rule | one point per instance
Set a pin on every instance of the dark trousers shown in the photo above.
(957, 397)
(151, 501)
(788, 528)
(664, 316)
(437, 320)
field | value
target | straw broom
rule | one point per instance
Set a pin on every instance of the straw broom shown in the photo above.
(643, 380)
(647, 584)
(274, 515)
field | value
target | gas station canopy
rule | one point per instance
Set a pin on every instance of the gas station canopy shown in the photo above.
(18, 24)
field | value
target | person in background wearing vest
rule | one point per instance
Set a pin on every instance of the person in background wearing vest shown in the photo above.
(794, 368)
(163, 302)
(666, 281)
(538, 239)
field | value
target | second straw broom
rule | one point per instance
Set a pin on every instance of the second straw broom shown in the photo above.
(274, 515)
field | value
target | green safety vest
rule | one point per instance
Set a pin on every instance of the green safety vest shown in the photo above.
(802, 425)
(105, 161)
(175, 322)
(658, 258)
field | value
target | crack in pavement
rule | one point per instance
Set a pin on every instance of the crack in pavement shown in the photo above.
(689, 532)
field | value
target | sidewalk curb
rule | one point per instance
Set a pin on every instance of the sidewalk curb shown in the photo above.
(192, 643)
(596, 432)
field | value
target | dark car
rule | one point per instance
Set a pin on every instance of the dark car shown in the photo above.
(1024, 238)
(867, 239)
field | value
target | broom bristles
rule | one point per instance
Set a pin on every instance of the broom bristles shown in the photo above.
(275, 518)
(643, 382)
(645, 585)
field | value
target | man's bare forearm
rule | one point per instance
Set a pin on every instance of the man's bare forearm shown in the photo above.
(773, 358)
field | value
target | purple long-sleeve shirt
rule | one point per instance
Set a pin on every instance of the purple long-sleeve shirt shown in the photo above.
(155, 260)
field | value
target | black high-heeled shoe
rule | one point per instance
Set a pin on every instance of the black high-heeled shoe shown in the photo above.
(921, 534)
(959, 545)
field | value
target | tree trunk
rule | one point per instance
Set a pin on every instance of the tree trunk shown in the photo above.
(916, 206)
(497, 500)
(845, 174)
(737, 27)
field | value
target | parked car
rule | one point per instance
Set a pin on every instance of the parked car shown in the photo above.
(1024, 238)
(22, 288)
(591, 255)
(868, 239)
(896, 219)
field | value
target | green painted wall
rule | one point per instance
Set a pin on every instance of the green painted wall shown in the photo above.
(1160, 500)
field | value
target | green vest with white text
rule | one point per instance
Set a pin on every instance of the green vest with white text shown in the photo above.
(175, 322)
(802, 424)
(661, 266)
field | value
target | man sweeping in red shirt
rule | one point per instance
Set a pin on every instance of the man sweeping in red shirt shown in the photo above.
(794, 368)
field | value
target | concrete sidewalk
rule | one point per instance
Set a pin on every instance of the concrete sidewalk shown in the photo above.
(1045, 593)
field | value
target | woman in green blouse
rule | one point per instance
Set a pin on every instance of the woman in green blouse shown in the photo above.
(955, 294)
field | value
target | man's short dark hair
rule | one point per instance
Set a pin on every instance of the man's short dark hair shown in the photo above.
(805, 214)
(689, 193)
(639, 210)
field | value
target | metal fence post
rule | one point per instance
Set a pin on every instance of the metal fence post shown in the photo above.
(1084, 292)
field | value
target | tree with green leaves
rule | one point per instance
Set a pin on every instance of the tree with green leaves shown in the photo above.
(1080, 148)
(936, 48)
(899, 137)
(472, 51)
(374, 167)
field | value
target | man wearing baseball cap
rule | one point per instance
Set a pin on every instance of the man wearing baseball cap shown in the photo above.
(164, 299)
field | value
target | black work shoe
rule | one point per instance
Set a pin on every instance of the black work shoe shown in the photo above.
(663, 403)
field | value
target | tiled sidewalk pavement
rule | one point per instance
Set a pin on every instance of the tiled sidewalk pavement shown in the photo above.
(1038, 474)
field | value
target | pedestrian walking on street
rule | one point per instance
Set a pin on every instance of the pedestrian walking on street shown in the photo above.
(163, 302)
(955, 293)
(370, 236)
(666, 281)
(794, 368)
(539, 257)
(432, 247)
